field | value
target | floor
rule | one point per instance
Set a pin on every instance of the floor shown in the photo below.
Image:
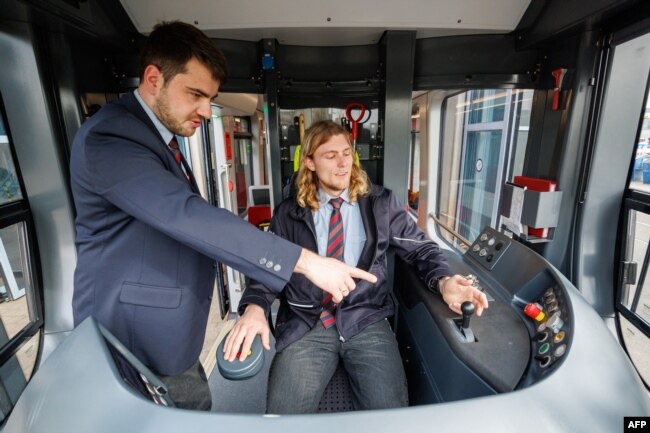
(216, 330)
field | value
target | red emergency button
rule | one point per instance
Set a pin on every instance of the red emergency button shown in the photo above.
(230, 186)
(534, 311)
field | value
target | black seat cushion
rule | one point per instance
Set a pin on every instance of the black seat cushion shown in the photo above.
(338, 393)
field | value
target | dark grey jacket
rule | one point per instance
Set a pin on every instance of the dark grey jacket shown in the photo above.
(387, 224)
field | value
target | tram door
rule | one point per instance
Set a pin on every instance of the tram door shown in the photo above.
(222, 142)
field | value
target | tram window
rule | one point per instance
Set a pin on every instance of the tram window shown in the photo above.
(484, 138)
(9, 187)
(635, 297)
(20, 317)
(641, 170)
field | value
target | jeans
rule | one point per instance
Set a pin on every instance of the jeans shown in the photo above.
(300, 373)
(189, 390)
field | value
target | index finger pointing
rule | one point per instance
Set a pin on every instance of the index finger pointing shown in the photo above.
(358, 273)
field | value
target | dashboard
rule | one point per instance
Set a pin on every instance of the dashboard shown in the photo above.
(521, 338)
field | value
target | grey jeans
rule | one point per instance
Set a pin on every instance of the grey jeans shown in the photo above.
(300, 373)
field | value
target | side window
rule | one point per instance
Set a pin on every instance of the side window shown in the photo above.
(9, 188)
(641, 171)
(20, 306)
(484, 137)
(634, 298)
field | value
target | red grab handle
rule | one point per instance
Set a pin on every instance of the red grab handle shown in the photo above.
(355, 121)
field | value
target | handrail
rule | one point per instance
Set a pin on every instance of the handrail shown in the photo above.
(451, 231)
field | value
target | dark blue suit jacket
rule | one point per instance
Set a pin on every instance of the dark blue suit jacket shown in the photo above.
(147, 242)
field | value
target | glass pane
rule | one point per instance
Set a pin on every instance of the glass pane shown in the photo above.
(638, 348)
(16, 312)
(478, 182)
(641, 169)
(486, 106)
(9, 186)
(483, 144)
(523, 103)
(16, 303)
(635, 298)
(27, 356)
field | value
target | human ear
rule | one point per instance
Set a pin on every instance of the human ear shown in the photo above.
(153, 80)
(309, 163)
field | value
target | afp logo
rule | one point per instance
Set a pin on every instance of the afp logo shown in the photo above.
(636, 424)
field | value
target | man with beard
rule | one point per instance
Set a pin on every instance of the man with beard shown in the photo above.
(146, 240)
(337, 213)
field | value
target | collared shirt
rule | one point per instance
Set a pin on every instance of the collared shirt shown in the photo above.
(353, 232)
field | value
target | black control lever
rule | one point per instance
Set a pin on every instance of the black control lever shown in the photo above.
(467, 308)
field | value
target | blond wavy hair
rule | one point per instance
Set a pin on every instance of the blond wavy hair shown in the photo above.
(307, 181)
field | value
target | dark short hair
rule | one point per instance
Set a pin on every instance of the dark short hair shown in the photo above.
(172, 44)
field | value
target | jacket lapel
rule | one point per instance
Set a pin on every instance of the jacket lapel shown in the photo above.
(370, 227)
(304, 215)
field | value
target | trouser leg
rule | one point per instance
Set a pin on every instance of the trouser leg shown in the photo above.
(189, 390)
(300, 372)
(374, 365)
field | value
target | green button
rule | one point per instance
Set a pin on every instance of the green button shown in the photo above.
(543, 348)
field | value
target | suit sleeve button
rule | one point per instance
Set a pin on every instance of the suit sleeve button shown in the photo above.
(262, 260)
(269, 264)
(277, 268)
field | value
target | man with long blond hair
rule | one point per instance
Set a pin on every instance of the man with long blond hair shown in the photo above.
(337, 213)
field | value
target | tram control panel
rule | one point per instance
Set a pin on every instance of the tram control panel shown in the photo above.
(536, 297)
(521, 338)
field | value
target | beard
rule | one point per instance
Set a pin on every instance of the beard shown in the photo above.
(164, 112)
(334, 185)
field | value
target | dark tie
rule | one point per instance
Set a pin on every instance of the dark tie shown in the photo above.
(335, 246)
(178, 157)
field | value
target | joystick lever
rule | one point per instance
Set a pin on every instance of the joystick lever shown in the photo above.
(467, 308)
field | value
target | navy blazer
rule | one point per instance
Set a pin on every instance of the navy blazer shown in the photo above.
(147, 241)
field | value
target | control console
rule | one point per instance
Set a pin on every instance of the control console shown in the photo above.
(525, 281)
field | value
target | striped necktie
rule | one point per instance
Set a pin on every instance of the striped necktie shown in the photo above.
(335, 244)
(178, 157)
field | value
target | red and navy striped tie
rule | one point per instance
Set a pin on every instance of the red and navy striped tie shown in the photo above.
(335, 244)
(178, 157)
